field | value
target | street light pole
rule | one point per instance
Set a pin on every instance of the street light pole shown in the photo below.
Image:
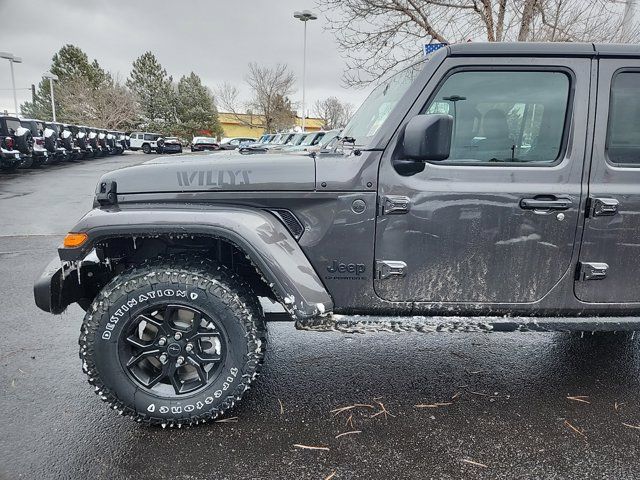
(51, 77)
(304, 16)
(12, 59)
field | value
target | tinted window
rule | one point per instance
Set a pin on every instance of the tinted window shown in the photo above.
(33, 128)
(13, 125)
(148, 137)
(509, 116)
(623, 133)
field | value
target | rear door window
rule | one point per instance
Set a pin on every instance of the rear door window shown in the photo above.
(623, 131)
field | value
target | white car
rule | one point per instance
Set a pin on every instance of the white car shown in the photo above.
(147, 142)
(236, 142)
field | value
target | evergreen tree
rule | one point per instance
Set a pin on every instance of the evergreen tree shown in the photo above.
(71, 65)
(195, 108)
(154, 92)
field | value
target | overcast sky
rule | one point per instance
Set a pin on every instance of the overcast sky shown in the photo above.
(216, 39)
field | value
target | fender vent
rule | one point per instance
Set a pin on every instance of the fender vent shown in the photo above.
(290, 221)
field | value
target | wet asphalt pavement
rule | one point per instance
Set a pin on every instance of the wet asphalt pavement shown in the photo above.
(494, 405)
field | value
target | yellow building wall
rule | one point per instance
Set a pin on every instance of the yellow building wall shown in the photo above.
(232, 127)
(234, 130)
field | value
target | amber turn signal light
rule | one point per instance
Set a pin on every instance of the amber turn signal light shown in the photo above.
(74, 240)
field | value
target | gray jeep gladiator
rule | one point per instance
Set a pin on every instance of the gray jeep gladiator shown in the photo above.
(493, 187)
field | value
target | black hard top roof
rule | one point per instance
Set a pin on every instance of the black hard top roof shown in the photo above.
(554, 49)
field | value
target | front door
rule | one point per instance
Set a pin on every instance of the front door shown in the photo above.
(609, 269)
(496, 222)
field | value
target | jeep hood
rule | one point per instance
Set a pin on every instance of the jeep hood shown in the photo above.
(217, 172)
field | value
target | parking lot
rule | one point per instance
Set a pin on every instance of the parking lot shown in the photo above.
(521, 405)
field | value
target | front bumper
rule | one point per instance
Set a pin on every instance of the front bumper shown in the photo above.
(64, 283)
(48, 288)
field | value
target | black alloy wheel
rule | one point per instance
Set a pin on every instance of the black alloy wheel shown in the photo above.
(173, 350)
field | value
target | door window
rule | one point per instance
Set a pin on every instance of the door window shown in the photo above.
(623, 131)
(504, 116)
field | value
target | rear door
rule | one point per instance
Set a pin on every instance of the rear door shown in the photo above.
(609, 268)
(496, 222)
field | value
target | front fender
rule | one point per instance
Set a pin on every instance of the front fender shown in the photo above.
(257, 233)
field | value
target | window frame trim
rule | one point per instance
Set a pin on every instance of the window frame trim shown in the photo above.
(568, 114)
(607, 159)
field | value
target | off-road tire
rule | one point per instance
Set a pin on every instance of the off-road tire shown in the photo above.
(219, 292)
(24, 143)
(146, 148)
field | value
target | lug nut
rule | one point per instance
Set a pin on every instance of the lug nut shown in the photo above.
(177, 336)
(162, 342)
(188, 347)
(163, 358)
(179, 360)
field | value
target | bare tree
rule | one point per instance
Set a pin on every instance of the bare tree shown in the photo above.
(379, 36)
(332, 112)
(227, 97)
(270, 92)
(110, 106)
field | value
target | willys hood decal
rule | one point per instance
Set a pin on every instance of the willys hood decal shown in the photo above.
(218, 171)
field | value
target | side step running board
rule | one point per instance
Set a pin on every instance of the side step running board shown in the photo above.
(366, 324)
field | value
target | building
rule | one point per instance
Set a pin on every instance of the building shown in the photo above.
(236, 125)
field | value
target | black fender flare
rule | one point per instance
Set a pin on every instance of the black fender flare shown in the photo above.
(258, 233)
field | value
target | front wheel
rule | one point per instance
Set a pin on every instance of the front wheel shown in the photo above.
(173, 344)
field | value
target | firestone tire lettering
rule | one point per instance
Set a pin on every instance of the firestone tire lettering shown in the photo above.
(184, 280)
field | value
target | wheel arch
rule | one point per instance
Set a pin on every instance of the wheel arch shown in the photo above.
(257, 234)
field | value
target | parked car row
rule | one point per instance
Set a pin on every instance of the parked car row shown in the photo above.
(293, 142)
(200, 144)
(30, 143)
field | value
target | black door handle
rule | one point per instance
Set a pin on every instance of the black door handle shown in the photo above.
(542, 203)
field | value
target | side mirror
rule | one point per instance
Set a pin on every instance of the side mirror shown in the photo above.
(428, 137)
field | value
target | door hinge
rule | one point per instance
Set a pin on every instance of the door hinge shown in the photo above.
(604, 207)
(390, 268)
(587, 207)
(394, 205)
(592, 271)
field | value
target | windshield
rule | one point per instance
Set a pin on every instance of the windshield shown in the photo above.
(310, 139)
(328, 137)
(297, 139)
(376, 108)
